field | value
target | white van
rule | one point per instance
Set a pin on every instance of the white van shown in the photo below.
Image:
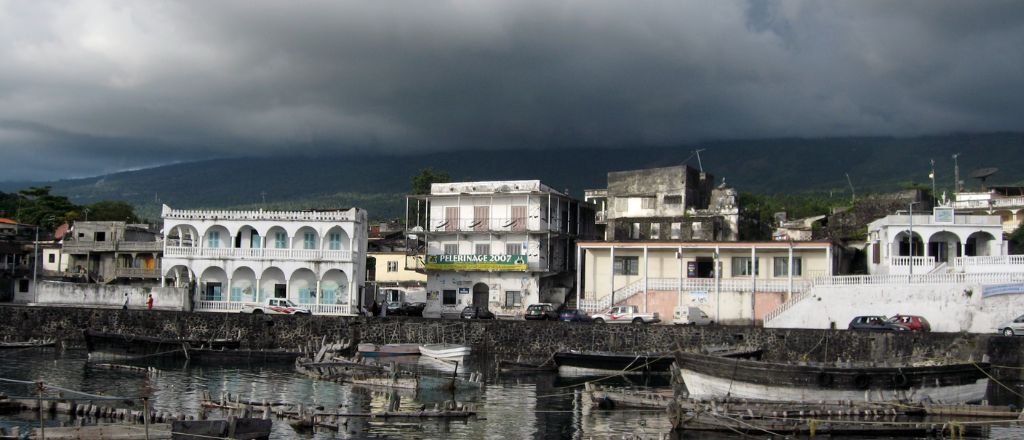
(691, 316)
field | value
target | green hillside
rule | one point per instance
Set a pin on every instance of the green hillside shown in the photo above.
(378, 183)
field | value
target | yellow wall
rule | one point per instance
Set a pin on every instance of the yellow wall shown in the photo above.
(403, 274)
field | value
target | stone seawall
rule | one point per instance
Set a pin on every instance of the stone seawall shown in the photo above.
(502, 339)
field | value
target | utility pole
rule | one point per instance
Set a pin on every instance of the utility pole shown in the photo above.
(956, 174)
(699, 164)
(35, 264)
(935, 197)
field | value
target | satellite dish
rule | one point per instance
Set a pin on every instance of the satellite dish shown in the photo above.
(983, 174)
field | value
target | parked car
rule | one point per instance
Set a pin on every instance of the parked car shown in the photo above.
(476, 312)
(541, 311)
(874, 322)
(1015, 327)
(412, 309)
(626, 314)
(574, 315)
(393, 308)
(912, 322)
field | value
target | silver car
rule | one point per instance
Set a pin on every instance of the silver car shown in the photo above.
(1015, 327)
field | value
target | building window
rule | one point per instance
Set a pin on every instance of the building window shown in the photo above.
(626, 265)
(100, 236)
(449, 297)
(621, 204)
(308, 240)
(451, 249)
(280, 240)
(648, 202)
(513, 249)
(53, 258)
(513, 298)
(655, 231)
(676, 230)
(392, 266)
(483, 248)
(781, 266)
(334, 241)
(674, 200)
(213, 240)
(634, 231)
(741, 267)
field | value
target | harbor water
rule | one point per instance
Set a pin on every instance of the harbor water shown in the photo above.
(521, 406)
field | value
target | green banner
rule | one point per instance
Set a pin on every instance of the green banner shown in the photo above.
(476, 262)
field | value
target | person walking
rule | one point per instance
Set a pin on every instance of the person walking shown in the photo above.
(126, 298)
(149, 302)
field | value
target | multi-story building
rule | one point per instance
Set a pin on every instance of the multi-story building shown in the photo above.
(665, 204)
(109, 252)
(314, 258)
(501, 245)
(1007, 202)
(389, 277)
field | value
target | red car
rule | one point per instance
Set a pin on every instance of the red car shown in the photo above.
(913, 322)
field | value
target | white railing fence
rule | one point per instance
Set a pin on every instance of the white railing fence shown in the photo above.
(258, 253)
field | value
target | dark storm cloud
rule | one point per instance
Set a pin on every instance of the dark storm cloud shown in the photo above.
(94, 86)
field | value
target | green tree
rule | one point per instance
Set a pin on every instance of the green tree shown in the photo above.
(421, 182)
(109, 210)
(1017, 240)
(39, 207)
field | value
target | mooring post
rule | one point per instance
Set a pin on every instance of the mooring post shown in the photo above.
(145, 415)
(39, 403)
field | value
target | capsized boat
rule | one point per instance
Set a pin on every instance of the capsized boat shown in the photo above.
(605, 361)
(712, 377)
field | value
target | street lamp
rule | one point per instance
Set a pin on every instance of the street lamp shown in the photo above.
(910, 237)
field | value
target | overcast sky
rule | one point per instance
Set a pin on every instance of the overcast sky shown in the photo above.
(90, 87)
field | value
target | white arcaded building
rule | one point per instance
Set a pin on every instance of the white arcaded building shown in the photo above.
(229, 258)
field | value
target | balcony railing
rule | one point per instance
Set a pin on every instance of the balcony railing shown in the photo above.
(111, 246)
(993, 260)
(258, 254)
(1002, 202)
(134, 272)
(495, 224)
(236, 306)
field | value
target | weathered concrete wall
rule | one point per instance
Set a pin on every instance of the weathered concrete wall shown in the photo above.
(99, 295)
(948, 307)
(501, 339)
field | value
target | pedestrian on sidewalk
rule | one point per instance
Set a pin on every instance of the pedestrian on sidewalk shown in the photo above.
(126, 298)
(149, 302)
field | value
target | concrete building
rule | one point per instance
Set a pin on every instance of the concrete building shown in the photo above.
(663, 204)
(733, 282)
(1007, 202)
(937, 241)
(314, 258)
(109, 252)
(501, 245)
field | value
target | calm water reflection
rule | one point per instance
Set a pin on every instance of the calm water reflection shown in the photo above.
(543, 406)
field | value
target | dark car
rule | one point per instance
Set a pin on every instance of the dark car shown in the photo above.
(875, 322)
(574, 315)
(394, 308)
(413, 309)
(476, 312)
(913, 322)
(542, 311)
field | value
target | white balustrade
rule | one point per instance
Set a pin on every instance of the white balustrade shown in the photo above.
(219, 306)
(258, 253)
(330, 309)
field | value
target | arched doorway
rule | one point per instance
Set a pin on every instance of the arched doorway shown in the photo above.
(903, 246)
(481, 294)
(978, 244)
(943, 246)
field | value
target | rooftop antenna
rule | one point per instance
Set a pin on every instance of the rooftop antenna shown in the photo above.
(699, 164)
(853, 194)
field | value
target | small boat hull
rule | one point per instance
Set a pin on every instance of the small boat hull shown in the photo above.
(388, 349)
(445, 351)
(601, 361)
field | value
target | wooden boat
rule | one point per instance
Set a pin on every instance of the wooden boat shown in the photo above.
(207, 355)
(126, 346)
(709, 377)
(368, 349)
(605, 361)
(506, 366)
(32, 343)
(445, 351)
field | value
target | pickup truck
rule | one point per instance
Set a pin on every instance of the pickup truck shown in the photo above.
(626, 314)
(275, 306)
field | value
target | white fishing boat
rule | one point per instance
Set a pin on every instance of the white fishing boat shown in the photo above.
(445, 351)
